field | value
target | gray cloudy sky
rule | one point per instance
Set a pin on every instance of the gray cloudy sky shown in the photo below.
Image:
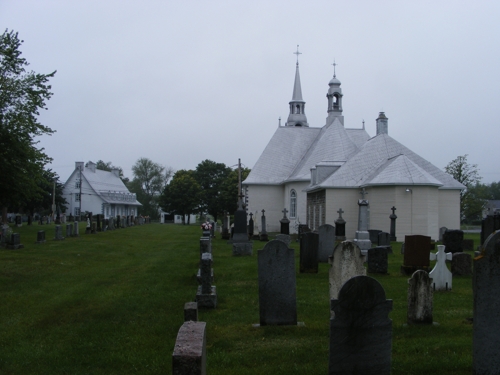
(183, 81)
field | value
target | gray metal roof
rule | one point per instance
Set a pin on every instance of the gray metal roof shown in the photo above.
(109, 187)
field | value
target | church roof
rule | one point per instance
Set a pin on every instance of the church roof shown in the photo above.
(384, 161)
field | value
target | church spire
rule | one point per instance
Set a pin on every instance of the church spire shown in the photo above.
(297, 116)
(334, 96)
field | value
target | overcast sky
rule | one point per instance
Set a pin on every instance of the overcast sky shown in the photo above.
(179, 82)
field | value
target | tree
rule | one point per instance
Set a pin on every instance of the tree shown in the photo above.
(148, 183)
(211, 177)
(22, 95)
(182, 195)
(229, 191)
(471, 204)
(42, 203)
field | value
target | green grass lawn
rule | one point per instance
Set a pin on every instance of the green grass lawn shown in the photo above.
(112, 303)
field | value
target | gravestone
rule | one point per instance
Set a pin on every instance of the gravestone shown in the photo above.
(212, 229)
(30, 220)
(207, 293)
(393, 218)
(205, 245)
(461, 264)
(340, 227)
(40, 237)
(326, 242)
(345, 263)
(277, 296)
(384, 239)
(417, 249)
(19, 221)
(440, 274)
(284, 238)
(75, 229)
(486, 291)
(374, 235)
(225, 227)
(420, 296)
(98, 227)
(15, 242)
(309, 253)
(489, 224)
(303, 228)
(69, 230)
(191, 311)
(190, 350)
(94, 228)
(468, 245)
(250, 226)
(284, 223)
(263, 232)
(360, 329)
(452, 239)
(88, 228)
(362, 238)
(378, 260)
(58, 234)
(240, 241)
(441, 233)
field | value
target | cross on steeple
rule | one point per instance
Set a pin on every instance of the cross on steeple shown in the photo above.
(334, 65)
(297, 53)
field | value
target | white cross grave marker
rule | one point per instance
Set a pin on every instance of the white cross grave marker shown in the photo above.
(440, 274)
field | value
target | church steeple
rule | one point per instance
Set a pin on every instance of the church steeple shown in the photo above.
(297, 116)
(334, 96)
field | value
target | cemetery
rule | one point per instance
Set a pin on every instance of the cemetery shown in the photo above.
(154, 299)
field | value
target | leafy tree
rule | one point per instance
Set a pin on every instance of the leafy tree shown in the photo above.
(22, 95)
(182, 195)
(42, 203)
(211, 177)
(229, 196)
(148, 183)
(471, 203)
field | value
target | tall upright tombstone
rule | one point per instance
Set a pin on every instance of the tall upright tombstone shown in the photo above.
(393, 218)
(284, 223)
(345, 263)
(420, 298)
(417, 252)
(326, 242)
(340, 226)
(309, 253)
(263, 232)
(362, 235)
(206, 295)
(277, 294)
(75, 229)
(225, 227)
(250, 226)
(360, 329)
(486, 289)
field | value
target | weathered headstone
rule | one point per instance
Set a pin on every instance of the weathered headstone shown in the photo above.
(69, 230)
(207, 293)
(486, 291)
(309, 253)
(417, 249)
(489, 224)
(40, 237)
(58, 233)
(420, 297)
(18, 221)
(263, 232)
(452, 239)
(191, 311)
(360, 329)
(378, 260)
(190, 350)
(75, 229)
(94, 228)
(284, 223)
(374, 235)
(384, 239)
(441, 233)
(284, 238)
(461, 264)
(340, 227)
(393, 218)
(98, 219)
(440, 274)
(15, 242)
(326, 242)
(362, 238)
(345, 263)
(277, 296)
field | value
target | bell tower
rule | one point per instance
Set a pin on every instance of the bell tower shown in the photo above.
(334, 97)
(297, 116)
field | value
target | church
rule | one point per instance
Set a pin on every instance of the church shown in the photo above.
(317, 173)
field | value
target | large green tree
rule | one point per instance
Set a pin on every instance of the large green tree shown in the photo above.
(22, 95)
(149, 180)
(42, 203)
(182, 195)
(211, 176)
(471, 202)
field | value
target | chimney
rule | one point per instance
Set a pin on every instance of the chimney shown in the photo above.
(382, 124)
(116, 172)
(91, 166)
(79, 165)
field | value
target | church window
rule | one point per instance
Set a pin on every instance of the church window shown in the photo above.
(77, 184)
(77, 197)
(293, 204)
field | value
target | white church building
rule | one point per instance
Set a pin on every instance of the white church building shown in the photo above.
(97, 191)
(313, 172)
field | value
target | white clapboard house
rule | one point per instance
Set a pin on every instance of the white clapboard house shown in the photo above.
(100, 192)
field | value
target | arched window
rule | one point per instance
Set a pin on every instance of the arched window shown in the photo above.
(293, 204)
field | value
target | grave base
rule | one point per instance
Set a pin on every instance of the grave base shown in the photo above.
(39, 242)
(59, 239)
(207, 300)
(409, 270)
(240, 249)
(263, 237)
(198, 276)
(14, 247)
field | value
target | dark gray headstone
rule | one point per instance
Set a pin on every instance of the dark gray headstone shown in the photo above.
(461, 264)
(207, 294)
(360, 330)
(486, 291)
(263, 229)
(15, 242)
(284, 238)
(40, 236)
(277, 296)
(69, 230)
(417, 252)
(205, 245)
(285, 223)
(384, 239)
(75, 229)
(58, 233)
(374, 235)
(309, 253)
(326, 242)
(452, 239)
(420, 297)
(190, 349)
(378, 260)
(340, 226)
(489, 224)
(240, 226)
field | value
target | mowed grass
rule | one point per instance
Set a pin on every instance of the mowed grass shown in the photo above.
(112, 303)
